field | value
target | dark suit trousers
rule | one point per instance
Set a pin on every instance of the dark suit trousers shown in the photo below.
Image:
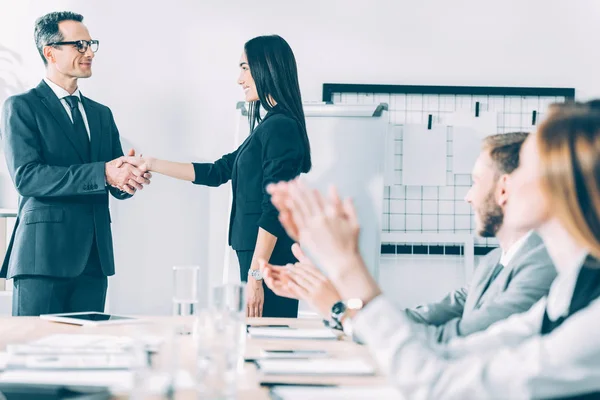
(274, 306)
(34, 295)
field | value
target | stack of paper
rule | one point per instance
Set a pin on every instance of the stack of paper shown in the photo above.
(290, 333)
(86, 361)
(322, 366)
(334, 393)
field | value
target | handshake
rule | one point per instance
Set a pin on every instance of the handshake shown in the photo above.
(128, 173)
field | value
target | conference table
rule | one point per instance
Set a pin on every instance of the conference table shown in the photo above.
(14, 330)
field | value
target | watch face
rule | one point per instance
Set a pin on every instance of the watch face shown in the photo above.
(256, 274)
(338, 308)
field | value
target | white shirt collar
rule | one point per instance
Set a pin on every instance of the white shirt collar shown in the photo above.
(509, 254)
(60, 92)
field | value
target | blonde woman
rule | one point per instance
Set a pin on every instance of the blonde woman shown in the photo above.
(550, 351)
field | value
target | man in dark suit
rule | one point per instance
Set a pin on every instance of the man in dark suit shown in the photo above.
(59, 146)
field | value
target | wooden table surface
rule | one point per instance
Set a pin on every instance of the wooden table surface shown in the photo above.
(15, 330)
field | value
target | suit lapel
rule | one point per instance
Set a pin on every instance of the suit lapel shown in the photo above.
(59, 114)
(93, 118)
(531, 242)
(482, 283)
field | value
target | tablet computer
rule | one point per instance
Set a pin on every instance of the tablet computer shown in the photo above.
(89, 318)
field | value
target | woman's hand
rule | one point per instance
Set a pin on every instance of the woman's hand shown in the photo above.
(301, 281)
(143, 163)
(279, 198)
(255, 294)
(327, 228)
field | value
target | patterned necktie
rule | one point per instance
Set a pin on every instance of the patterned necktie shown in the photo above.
(81, 135)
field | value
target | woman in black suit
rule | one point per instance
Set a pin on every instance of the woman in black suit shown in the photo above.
(276, 150)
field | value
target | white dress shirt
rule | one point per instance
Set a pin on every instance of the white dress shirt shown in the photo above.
(61, 94)
(509, 254)
(509, 360)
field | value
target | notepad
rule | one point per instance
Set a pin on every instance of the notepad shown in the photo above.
(334, 393)
(323, 366)
(287, 333)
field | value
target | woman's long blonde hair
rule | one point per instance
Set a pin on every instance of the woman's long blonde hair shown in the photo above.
(569, 145)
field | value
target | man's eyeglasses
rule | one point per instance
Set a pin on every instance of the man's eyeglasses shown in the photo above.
(81, 45)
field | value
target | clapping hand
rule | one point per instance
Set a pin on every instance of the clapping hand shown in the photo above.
(302, 281)
(327, 227)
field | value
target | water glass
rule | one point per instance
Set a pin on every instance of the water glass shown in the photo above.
(230, 298)
(229, 307)
(216, 334)
(185, 289)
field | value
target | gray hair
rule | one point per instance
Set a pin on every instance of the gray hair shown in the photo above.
(46, 29)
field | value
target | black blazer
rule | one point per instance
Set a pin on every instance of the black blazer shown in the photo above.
(273, 152)
(63, 194)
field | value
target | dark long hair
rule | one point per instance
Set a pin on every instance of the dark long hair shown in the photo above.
(273, 68)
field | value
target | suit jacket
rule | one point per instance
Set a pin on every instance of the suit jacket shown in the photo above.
(63, 193)
(520, 284)
(273, 152)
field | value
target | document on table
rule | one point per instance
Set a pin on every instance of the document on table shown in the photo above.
(322, 366)
(291, 333)
(82, 344)
(71, 362)
(335, 393)
(116, 381)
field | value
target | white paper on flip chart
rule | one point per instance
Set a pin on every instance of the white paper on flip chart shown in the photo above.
(424, 154)
(322, 366)
(291, 333)
(335, 393)
(468, 131)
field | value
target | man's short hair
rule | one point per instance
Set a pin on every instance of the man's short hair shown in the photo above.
(504, 150)
(46, 29)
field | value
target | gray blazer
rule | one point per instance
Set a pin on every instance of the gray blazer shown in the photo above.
(63, 194)
(525, 280)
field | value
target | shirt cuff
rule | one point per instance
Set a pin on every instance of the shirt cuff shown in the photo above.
(377, 322)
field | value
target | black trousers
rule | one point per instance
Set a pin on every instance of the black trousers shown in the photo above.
(34, 295)
(274, 306)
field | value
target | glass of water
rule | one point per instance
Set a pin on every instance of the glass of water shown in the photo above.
(185, 295)
(229, 307)
(218, 347)
(185, 289)
(230, 298)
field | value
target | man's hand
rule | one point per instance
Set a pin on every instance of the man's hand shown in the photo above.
(125, 177)
(255, 298)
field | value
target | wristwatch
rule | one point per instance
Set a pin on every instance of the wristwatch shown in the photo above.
(256, 274)
(337, 312)
(352, 306)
